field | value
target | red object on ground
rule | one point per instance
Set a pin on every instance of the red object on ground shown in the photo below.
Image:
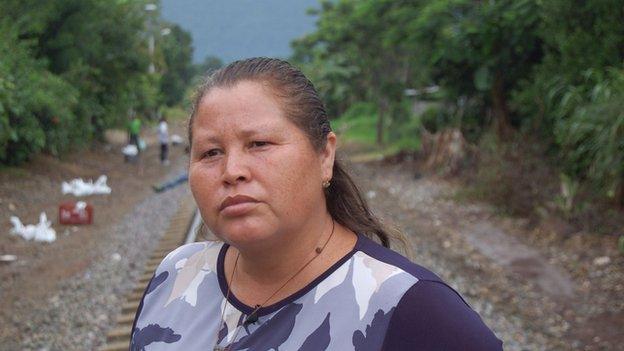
(70, 213)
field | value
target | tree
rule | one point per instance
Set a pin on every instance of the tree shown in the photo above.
(210, 64)
(480, 50)
(178, 69)
(33, 102)
(350, 35)
(75, 71)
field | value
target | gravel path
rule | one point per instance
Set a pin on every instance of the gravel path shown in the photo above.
(423, 211)
(78, 317)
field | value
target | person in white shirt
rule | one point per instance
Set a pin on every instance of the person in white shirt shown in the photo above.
(163, 139)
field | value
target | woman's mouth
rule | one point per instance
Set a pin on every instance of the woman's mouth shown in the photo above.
(237, 205)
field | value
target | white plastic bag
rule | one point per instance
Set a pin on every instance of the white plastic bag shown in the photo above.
(40, 232)
(79, 187)
(176, 139)
(130, 150)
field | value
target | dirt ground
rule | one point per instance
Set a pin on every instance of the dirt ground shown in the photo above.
(565, 284)
(27, 191)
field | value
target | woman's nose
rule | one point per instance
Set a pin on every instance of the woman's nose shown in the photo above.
(235, 169)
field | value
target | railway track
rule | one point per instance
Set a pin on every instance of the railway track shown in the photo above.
(181, 230)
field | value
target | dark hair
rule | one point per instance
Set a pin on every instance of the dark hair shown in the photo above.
(303, 106)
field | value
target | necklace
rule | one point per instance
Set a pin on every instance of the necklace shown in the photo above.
(252, 317)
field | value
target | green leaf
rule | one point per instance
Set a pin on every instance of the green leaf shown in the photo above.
(483, 78)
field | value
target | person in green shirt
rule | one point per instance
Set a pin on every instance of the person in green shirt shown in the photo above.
(134, 128)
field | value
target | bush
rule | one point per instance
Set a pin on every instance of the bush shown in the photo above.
(404, 128)
(358, 123)
(515, 176)
(592, 136)
(435, 118)
(35, 105)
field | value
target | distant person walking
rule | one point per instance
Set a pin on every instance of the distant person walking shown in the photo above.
(163, 139)
(134, 129)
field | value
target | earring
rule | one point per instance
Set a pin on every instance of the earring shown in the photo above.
(326, 184)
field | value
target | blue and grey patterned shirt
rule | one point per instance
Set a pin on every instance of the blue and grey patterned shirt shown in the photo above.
(372, 299)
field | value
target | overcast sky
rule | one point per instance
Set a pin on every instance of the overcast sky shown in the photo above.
(234, 29)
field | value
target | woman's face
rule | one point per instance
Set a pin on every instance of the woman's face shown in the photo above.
(254, 174)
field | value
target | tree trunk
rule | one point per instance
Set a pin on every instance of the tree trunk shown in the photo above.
(500, 111)
(383, 110)
(619, 195)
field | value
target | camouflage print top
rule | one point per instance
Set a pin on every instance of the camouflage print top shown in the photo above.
(372, 299)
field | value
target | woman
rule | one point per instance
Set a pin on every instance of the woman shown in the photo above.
(298, 267)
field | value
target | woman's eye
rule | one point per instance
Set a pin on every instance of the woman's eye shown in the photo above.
(211, 153)
(259, 143)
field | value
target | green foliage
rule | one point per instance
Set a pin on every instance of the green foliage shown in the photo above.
(331, 78)
(350, 59)
(357, 123)
(200, 73)
(404, 128)
(576, 38)
(175, 113)
(35, 105)
(481, 51)
(210, 64)
(435, 118)
(178, 53)
(552, 69)
(581, 35)
(373, 50)
(70, 69)
(591, 131)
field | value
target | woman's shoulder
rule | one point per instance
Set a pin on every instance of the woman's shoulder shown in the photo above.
(433, 316)
(200, 254)
(392, 258)
(430, 315)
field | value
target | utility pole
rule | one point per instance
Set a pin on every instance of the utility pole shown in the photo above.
(150, 8)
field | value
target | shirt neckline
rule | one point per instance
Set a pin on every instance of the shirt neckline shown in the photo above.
(245, 309)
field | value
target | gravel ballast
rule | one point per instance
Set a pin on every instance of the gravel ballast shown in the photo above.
(509, 298)
(78, 317)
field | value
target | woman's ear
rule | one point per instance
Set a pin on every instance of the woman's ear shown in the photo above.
(328, 156)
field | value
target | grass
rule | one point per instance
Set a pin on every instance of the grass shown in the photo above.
(13, 171)
(362, 131)
(175, 113)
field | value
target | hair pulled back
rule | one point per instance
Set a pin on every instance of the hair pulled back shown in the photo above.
(303, 106)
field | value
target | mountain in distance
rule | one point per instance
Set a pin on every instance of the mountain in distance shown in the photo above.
(235, 29)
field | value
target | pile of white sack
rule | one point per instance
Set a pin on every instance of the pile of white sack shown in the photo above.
(40, 232)
(44, 231)
(176, 139)
(130, 150)
(79, 187)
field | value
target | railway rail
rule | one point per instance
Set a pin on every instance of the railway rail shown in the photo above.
(182, 229)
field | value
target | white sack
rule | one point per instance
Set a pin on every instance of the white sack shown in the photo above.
(40, 232)
(79, 187)
(176, 139)
(130, 150)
